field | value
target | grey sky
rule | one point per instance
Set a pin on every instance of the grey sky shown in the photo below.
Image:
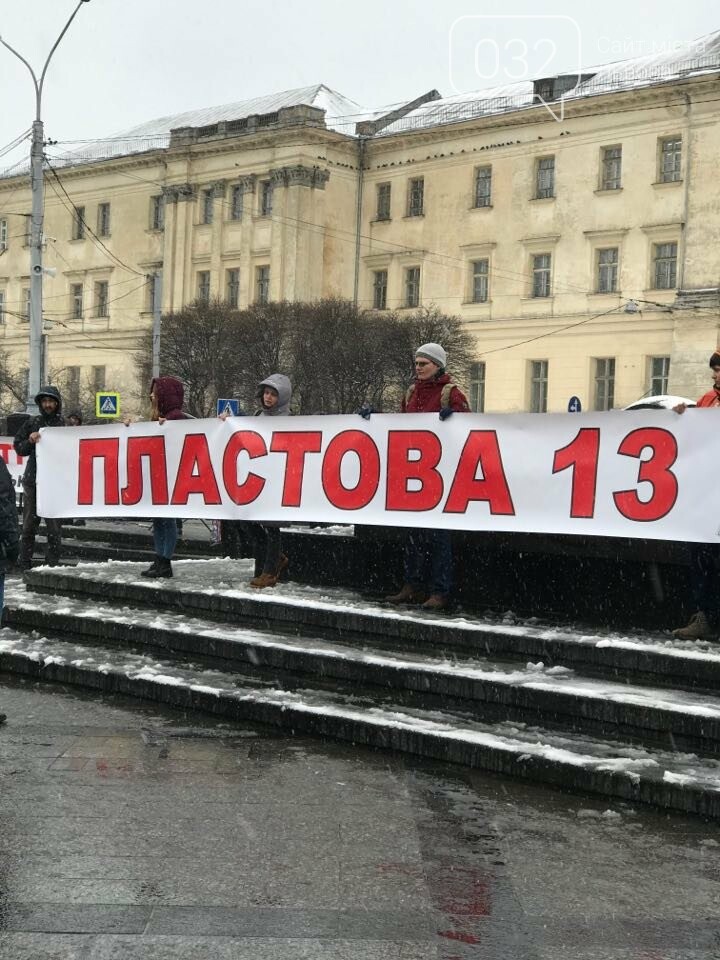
(127, 61)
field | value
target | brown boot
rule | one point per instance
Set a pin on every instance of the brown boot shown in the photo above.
(697, 629)
(408, 594)
(438, 601)
(264, 580)
(282, 566)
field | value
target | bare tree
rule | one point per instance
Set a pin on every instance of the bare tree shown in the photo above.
(337, 356)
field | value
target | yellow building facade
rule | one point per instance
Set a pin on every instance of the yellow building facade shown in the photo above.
(580, 245)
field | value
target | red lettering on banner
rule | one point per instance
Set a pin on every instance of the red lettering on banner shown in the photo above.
(154, 449)
(655, 471)
(195, 472)
(481, 450)
(88, 452)
(351, 498)
(582, 455)
(254, 445)
(295, 446)
(400, 470)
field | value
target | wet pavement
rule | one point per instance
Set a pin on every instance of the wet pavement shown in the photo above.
(131, 831)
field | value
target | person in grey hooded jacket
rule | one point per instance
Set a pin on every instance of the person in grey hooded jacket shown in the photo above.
(274, 394)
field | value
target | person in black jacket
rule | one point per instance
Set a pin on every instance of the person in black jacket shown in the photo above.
(9, 546)
(50, 403)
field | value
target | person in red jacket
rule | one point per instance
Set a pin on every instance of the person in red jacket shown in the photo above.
(428, 552)
(166, 396)
(704, 557)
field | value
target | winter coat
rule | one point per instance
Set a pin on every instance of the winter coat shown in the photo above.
(9, 533)
(170, 395)
(22, 444)
(426, 397)
(280, 383)
(710, 399)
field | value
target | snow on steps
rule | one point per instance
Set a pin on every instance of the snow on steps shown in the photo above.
(218, 589)
(674, 780)
(483, 686)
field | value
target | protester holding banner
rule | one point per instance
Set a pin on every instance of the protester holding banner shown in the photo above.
(9, 546)
(705, 557)
(167, 395)
(274, 395)
(428, 552)
(49, 402)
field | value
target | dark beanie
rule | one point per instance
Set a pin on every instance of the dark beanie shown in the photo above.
(715, 360)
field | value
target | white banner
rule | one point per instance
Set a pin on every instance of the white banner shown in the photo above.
(625, 474)
(15, 464)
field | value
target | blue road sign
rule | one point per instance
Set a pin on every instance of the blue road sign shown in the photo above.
(107, 404)
(574, 405)
(230, 407)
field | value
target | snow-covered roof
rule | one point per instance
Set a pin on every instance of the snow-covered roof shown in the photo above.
(341, 114)
(694, 58)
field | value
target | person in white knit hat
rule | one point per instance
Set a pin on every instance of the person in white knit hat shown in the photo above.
(428, 552)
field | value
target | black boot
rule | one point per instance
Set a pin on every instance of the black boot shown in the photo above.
(163, 568)
(152, 570)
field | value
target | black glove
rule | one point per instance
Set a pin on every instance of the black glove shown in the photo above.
(366, 411)
(446, 412)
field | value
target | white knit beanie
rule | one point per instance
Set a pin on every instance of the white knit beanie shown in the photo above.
(434, 352)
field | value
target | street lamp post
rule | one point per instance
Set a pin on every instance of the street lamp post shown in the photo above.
(36, 234)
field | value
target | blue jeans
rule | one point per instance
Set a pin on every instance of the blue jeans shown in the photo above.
(165, 535)
(428, 560)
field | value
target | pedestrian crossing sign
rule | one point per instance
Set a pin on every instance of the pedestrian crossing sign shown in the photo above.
(229, 407)
(107, 405)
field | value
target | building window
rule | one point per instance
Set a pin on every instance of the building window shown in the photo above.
(542, 263)
(26, 303)
(72, 387)
(416, 197)
(266, 198)
(27, 231)
(3, 235)
(483, 187)
(477, 387)
(203, 286)
(412, 287)
(233, 288)
(262, 284)
(545, 178)
(665, 271)
(104, 219)
(98, 379)
(76, 295)
(607, 270)
(383, 201)
(2, 306)
(207, 202)
(101, 298)
(605, 383)
(538, 386)
(380, 282)
(670, 159)
(157, 213)
(236, 202)
(611, 168)
(659, 376)
(480, 278)
(78, 231)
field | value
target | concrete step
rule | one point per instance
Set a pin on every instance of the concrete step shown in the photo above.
(529, 693)
(218, 590)
(618, 769)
